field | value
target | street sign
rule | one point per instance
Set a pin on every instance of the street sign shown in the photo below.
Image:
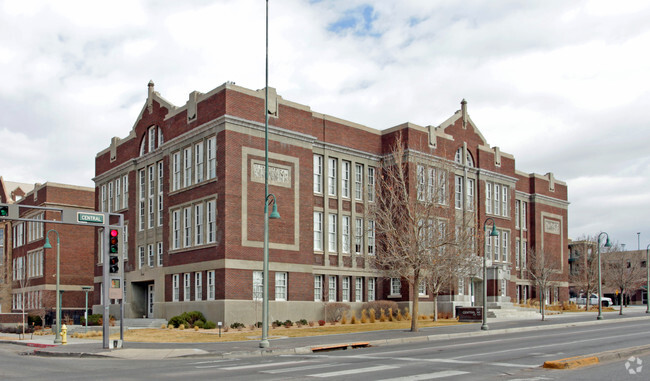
(94, 218)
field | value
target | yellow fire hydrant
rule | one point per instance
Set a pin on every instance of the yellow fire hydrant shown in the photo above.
(64, 335)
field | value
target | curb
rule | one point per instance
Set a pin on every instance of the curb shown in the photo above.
(580, 361)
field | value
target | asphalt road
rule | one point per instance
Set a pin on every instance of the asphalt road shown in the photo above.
(514, 356)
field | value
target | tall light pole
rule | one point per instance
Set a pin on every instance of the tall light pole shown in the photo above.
(647, 285)
(493, 233)
(600, 283)
(268, 198)
(57, 337)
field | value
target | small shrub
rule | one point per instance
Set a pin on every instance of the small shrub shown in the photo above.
(378, 305)
(303, 321)
(163, 326)
(288, 323)
(344, 318)
(226, 328)
(382, 316)
(298, 324)
(196, 328)
(321, 322)
(311, 323)
(364, 316)
(372, 315)
(199, 324)
(354, 320)
(258, 324)
(399, 316)
(277, 324)
(237, 325)
(209, 325)
(334, 311)
(407, 313)
(181, 327)
(170, 326)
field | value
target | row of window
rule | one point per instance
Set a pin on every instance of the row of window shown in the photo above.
(150, 258)
(346, 179)
(496, 199)
(469, 197)
(497, 248)
(520, 214)
(281, 285)
(187, 294)
(114, 195)
(431, 184)
(28, 266)
(345, 232)
(151, 196)
(520, 252)
(35, 229)
(194, 225)
(194, 164)
(349, 291)
(34, 300)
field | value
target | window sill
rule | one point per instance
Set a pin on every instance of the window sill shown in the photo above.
(394, 296)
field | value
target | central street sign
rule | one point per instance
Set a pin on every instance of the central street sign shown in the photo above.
(90, 217)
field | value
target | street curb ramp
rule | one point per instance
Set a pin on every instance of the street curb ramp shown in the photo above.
(580, 361)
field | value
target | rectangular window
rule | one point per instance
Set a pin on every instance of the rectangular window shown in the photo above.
(140, 257)
(422, 288)
(318, 231)
(488, 198)
(151, 255)
(187, 289)
(210, 285)
(159, 245)
(461, 286)
(212, 157)
(497, 199)
(187, 227)
(517, 217)
(198, 224)
(358, 236)
(431, 184)
(258, 285)
(470, 194)
(318, 174)
(371, 237)
(345, 234)
(331, 177)
(345, 179)
(395, 286)
(442, 187)
(152, 183)
(198, 168)
(504, 201)
(198, 285)
(160, 193)
(496, 249)
(504, 246)
(176, 229)
(358, 289)
(176, 171)
(102, 191)
(151, 213)
(371, 184)
(517, 252)
(332, 288)
(524, 220)
(421, 182)
(187, 161)
(371, 289)
(459, 192)
(280, 286)
(332, 234)
(152, 138)
(358, 182)
(125, 196)
(345, 289)
(488, 247)
(523, 254)
(318, 288)
(110, 196)
(211, 230)
(118, 195)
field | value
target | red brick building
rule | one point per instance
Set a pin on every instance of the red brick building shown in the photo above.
(190, 183)
(29, 270)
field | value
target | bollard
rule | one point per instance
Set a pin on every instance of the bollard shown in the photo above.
(64, 334)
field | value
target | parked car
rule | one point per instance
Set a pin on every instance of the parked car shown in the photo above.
(593, 300)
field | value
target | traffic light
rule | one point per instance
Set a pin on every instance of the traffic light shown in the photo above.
(113, 250)
(4, 211)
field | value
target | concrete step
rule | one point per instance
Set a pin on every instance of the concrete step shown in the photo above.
(144, 323)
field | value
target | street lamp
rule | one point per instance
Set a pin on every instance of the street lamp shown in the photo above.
(647, 284)
(600, 283)
(57, 337)
(86, 289)
(493, 233)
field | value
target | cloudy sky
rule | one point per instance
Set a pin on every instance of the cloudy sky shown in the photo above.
(561, 85)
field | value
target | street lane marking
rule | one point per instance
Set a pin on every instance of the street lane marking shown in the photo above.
(448, 361)
(354, 371)
(263, 365)
(427, 376)
(299, 368)
(212, 361)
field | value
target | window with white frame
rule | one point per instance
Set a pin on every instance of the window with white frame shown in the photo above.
(470, 194)
(125, 187)
(358, 289)
(345, 289)
(118, 195)
(212, 157)
(459, 192)
(442, 187)
(504, 246)
(332, 288)
(488, 247)
(358, 236)
(280, 286)
(517, 216)
(198, 224)
(161, 138)
(431, 183)
(523, 253)
(110, 196)
(371, 237)
(160, 193)
(187, 289)
(160, 253)
(371, 184)
(421, 181)
(497, 199)
(461, 286)
(318, 231)
(140, 257)
(175, 288)
(422, 288)
(318, 288)
(358, 182)
(152, 138)
(395, 286)
(331, 176)
(142, 197)
(504, 287)
(152, 187)
(102, 192)
(496, 249)
(371, 289)
(198, 285)
(332, 233)
(345, 178)
(198, 162)
(176, 171)
(151, 255)
(345, 234)
(517, 252)
(187, 227)
(504, 201)
(318, 174)
(210, 276)
(176, 229)
(187, 161)
(524, 220)
(488, 198)
(211, 220)
(258, 285)
(19, 235)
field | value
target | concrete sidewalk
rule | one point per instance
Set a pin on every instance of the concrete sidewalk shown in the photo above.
(43, 345)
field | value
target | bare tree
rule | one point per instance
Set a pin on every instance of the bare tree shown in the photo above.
(622, 270)
(545, 269)
(585, 273)
(415, 241)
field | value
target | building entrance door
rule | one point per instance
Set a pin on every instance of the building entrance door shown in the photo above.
(150, 297)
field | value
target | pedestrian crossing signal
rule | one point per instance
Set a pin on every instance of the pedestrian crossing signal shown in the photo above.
(4, 211)
(114, 263)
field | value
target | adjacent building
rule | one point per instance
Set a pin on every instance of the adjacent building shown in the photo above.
(189, 181)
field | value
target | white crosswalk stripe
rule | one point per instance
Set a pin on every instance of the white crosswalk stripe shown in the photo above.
(263, 365)
(354, 371)
(300, 368)
(427, 376)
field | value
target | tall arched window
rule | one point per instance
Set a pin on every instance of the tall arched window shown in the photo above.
(459, 155)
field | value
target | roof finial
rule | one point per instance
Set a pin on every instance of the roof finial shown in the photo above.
(463, 108)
